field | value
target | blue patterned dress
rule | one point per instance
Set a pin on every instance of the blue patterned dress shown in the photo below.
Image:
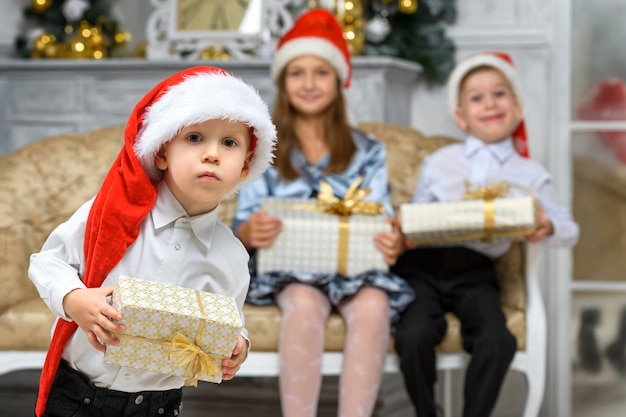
(368, 162)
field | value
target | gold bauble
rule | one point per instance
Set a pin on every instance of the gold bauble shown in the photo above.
(97, 53)
(40, 45)
(217, 53)
(349, 13)
(407, 6)
(96, 40)
(122, 37)
(40, 6)
(78, 48)
(52, 50)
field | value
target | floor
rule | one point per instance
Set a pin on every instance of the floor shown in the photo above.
(592, 397)
(239, 397)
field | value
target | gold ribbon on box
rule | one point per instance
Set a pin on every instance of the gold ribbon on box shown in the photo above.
(187, 353)
(488, 194)
(351, 203)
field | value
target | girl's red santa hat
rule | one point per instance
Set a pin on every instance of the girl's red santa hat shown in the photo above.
(316, 32)
(503, 63)
(129, 190)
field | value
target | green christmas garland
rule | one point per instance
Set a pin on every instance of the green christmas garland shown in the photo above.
(69, 29)
(418, 37)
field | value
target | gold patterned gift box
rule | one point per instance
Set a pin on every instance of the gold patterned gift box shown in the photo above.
(315, 241)
(487, 218)
(174, 330)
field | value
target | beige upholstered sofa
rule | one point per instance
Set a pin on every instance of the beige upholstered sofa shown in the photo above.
(42, 184)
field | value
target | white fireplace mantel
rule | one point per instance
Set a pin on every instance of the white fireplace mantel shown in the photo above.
(47, 97)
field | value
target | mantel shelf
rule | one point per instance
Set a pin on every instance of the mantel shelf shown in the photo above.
(49, 97)
(358, 62)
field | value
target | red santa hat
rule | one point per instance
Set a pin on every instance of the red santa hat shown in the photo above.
(129, 190)
(196, 95)
(502, 62)
(316, 32)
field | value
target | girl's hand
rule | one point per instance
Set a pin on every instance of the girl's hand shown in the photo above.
(89, 308)
(544, 227)
(231, 365)
(260, 230)
(391, 244)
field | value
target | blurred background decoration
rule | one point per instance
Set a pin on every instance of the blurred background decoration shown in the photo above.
(70, 29)
(414, 30)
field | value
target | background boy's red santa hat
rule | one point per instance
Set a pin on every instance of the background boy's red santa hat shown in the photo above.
(316, 32)
(504, 64)
(129, 190)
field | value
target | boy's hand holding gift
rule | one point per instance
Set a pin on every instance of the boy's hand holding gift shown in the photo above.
(544, 227)
(89, 308)
(230, 366)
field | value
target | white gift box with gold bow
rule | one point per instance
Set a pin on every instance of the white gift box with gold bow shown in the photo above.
(487, 213)
(174, 330)
(314, 241)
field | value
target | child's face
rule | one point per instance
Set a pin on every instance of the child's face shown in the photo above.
(487, 109)
(310, 84)
(204, 162)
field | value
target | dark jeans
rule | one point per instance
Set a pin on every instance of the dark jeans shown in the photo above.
(73, 395)
(463, 282)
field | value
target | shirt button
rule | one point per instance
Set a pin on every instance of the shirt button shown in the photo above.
(87, 400)
(127, 377)
(161, 411)
(139, 399)
(177, 246)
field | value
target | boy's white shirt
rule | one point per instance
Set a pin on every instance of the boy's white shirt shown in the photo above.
(197, 252)
(443, 175)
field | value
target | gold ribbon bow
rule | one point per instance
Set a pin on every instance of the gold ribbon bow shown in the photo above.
(488, 194)
(351, 203)
(190, 356)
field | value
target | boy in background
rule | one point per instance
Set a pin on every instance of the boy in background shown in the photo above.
(485, 100)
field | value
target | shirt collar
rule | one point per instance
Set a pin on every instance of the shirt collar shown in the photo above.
(501, 150)
(167, 210)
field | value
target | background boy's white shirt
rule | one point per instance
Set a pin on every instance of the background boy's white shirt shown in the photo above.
(443, 176)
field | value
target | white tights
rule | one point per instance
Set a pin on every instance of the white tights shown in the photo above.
(305, 311)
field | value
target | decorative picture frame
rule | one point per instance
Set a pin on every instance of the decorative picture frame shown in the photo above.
(214, 29)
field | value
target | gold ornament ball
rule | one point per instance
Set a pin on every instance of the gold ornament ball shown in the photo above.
(40, 6)
(52, 50)
(40, 45)
(122, 37)
(407, 6)
(98, 53)
(78, 48)
(96, 40)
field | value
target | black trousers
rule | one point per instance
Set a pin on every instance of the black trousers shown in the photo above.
(73, 395)
(463, 282)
